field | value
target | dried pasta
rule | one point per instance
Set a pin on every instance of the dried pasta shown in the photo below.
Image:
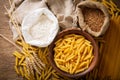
(73, 53)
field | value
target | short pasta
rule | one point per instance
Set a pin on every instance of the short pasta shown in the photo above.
(73, 53)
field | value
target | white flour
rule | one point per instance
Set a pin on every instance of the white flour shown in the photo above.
(40, 27)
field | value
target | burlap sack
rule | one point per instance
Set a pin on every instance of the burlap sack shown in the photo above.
(82, 23)
(20, 8)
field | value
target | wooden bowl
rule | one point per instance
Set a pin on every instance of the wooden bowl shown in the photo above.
(78, 32)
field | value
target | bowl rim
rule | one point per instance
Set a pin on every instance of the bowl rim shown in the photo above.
(75, 31)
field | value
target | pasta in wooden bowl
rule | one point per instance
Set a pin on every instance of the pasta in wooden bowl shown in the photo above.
(73, 53)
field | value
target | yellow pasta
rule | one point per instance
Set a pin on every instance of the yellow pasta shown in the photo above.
(87, 42)
(37, 76)
(21, 71)
(70, 57)
(78, 60)
(60, 60)
(16, 69)
(47, 77)
(16, 61)
(21, 60)
(80, 70)
(63, 68)
(59, 53)
(23, 64)
(24, 67)
(18, 55)
(113, 4)
(73, 53)
(27, 77)
(55, 75)
(91, 58)
(84, 53)
(19, 43)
